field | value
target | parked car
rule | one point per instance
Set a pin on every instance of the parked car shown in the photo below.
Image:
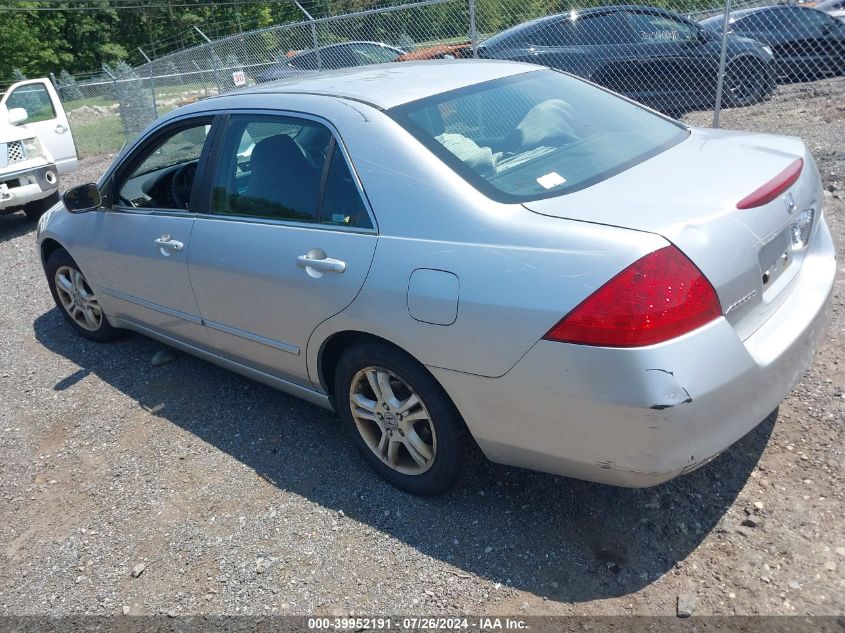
(465, 252)
(36, 145)
(651, 55)
(333, 56)
(834, 8)
(806, 43)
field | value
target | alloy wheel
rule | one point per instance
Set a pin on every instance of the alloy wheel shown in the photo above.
(745, 84)
(77, 299)
(393, 420)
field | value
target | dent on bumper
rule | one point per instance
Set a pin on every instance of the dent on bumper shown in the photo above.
(639, 417)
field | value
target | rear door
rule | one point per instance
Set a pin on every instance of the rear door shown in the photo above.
(288, 242)
(46, 118)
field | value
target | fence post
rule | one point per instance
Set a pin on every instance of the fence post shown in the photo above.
(152, 81)
(314, 38)
(473, 30)
(123, 114)
(213, 57)
(720, 81)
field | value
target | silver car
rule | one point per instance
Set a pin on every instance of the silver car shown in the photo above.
(465, 255)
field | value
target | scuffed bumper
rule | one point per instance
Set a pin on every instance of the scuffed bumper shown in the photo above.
(27, 185)
(639, 417)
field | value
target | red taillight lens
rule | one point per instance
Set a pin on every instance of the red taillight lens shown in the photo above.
(658, 297)
(772, 189)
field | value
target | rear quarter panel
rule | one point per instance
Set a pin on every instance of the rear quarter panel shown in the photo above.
(518, 272)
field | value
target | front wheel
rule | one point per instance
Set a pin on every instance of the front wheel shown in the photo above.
(400, 419)
(746, 83)
(76, 299)
(36, 209)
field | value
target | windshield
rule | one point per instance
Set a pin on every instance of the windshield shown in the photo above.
(536, 135)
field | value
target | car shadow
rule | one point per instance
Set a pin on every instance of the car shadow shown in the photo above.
(559, 538)
(14, 225)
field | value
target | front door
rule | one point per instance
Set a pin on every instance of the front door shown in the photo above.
(288, 242)
(137, 250)
(45, 118)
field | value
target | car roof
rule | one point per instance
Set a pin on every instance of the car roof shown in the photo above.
(541, 22)
(342, 45)
(743, 12)
(388, 85)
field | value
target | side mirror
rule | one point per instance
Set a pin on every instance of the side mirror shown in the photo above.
(17, 116)
(83, 198)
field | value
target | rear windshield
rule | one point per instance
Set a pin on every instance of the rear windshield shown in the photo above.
(536, 135)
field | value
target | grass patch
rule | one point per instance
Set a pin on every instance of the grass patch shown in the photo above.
(100, 136)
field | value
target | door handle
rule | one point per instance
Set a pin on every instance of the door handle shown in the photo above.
(316, 262)
(165, 243)
(61, 129)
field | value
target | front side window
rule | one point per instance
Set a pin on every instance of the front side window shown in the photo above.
(761, 21)
(306, 61)
(285, 168)
(335, 57)
(810, 20)
(536, 135)
(163, 176)
(35, 99)
(364, 54)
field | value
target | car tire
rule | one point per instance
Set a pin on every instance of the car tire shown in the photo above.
(76, 300)
(36, 209)
(746, 83)
(425, 455)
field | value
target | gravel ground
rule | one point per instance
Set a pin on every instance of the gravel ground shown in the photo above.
(231, 498)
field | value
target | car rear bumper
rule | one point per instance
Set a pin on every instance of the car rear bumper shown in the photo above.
(639, 417)
(18, 188)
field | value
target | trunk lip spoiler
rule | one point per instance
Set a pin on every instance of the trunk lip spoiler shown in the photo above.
(773, 188)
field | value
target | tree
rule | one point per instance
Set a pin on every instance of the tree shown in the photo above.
(68, 90)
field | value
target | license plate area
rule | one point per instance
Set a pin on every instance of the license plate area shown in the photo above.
(775, 257)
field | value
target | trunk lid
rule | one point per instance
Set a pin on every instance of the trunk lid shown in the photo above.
(688, 194)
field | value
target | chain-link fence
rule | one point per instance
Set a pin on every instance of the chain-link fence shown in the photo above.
(679, 57)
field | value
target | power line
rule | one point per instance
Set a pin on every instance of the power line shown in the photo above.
(136, 6)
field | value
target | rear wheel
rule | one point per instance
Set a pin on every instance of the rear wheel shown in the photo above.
(76, 299)
(745, 83)
(36, 209)
(400, 419)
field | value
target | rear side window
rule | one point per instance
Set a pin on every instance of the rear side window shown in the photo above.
(285, 168)
(597, 30)
(271, 167)
(342, 204)
(536, 135)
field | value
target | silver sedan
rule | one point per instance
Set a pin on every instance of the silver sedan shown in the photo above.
(465, 255)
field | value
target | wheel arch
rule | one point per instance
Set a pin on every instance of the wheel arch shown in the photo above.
(48, 247)
(333, 347)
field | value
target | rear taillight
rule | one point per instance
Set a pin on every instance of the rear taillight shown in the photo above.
(657, 298)
(772, 189)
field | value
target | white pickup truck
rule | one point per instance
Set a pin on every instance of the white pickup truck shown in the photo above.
(36, 147)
